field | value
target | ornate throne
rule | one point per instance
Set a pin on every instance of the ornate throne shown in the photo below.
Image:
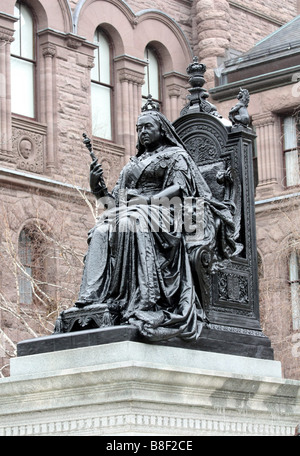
(225, 274)
(227, 283)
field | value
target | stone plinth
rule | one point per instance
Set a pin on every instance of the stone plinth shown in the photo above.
(132, 388)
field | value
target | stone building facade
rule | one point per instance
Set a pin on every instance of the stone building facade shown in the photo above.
(270, 71)
(51, 64)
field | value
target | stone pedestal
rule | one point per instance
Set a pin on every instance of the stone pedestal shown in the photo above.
(132, 388)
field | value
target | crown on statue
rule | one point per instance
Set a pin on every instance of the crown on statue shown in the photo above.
(150, 105)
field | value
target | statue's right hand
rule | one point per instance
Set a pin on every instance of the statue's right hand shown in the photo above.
(96, 177)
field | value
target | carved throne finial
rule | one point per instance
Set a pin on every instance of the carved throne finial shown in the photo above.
(239, 115)
(198, 95)
(196, 72)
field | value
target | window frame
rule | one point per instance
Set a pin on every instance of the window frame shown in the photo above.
(288, 150)
(159, 79)
(294, 283)
(32, 61)
(99, 83)
(37, 266)
(24, 283)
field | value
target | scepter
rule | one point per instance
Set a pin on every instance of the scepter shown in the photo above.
(87, 143)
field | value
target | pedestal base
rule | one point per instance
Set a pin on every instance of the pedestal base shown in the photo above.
(148, 355)
(216, 339)
(136, 389)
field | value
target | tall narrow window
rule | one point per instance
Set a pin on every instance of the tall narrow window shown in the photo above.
(294, 283)
(152, 73)
(32, 255)
(25, 276)
(101, 88)
(23, 63)
(290, 151)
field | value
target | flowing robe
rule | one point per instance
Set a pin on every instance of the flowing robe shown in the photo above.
(137, 261)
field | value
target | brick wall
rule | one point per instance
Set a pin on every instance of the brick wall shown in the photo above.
(251, 21)
(215, 26)
(275, 226)
(179, 10)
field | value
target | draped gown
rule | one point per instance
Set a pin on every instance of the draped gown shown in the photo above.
(137, 261)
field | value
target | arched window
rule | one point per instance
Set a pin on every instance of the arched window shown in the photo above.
(294, 284)
(23, 63)
(101, 87)
(32, 255)
(152, 76)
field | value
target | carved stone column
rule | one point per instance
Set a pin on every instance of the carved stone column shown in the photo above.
(6, 38)
(129, 86)
(268, 151)
(175, 85)
(47, 113)
(213, 33)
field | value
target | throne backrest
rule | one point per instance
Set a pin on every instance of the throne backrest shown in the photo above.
(205, 138)
(227, 279)
(228, 291)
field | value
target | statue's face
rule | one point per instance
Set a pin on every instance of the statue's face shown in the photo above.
(149, 132)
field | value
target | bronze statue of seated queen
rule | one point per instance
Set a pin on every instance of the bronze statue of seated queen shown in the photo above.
(137, 268)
